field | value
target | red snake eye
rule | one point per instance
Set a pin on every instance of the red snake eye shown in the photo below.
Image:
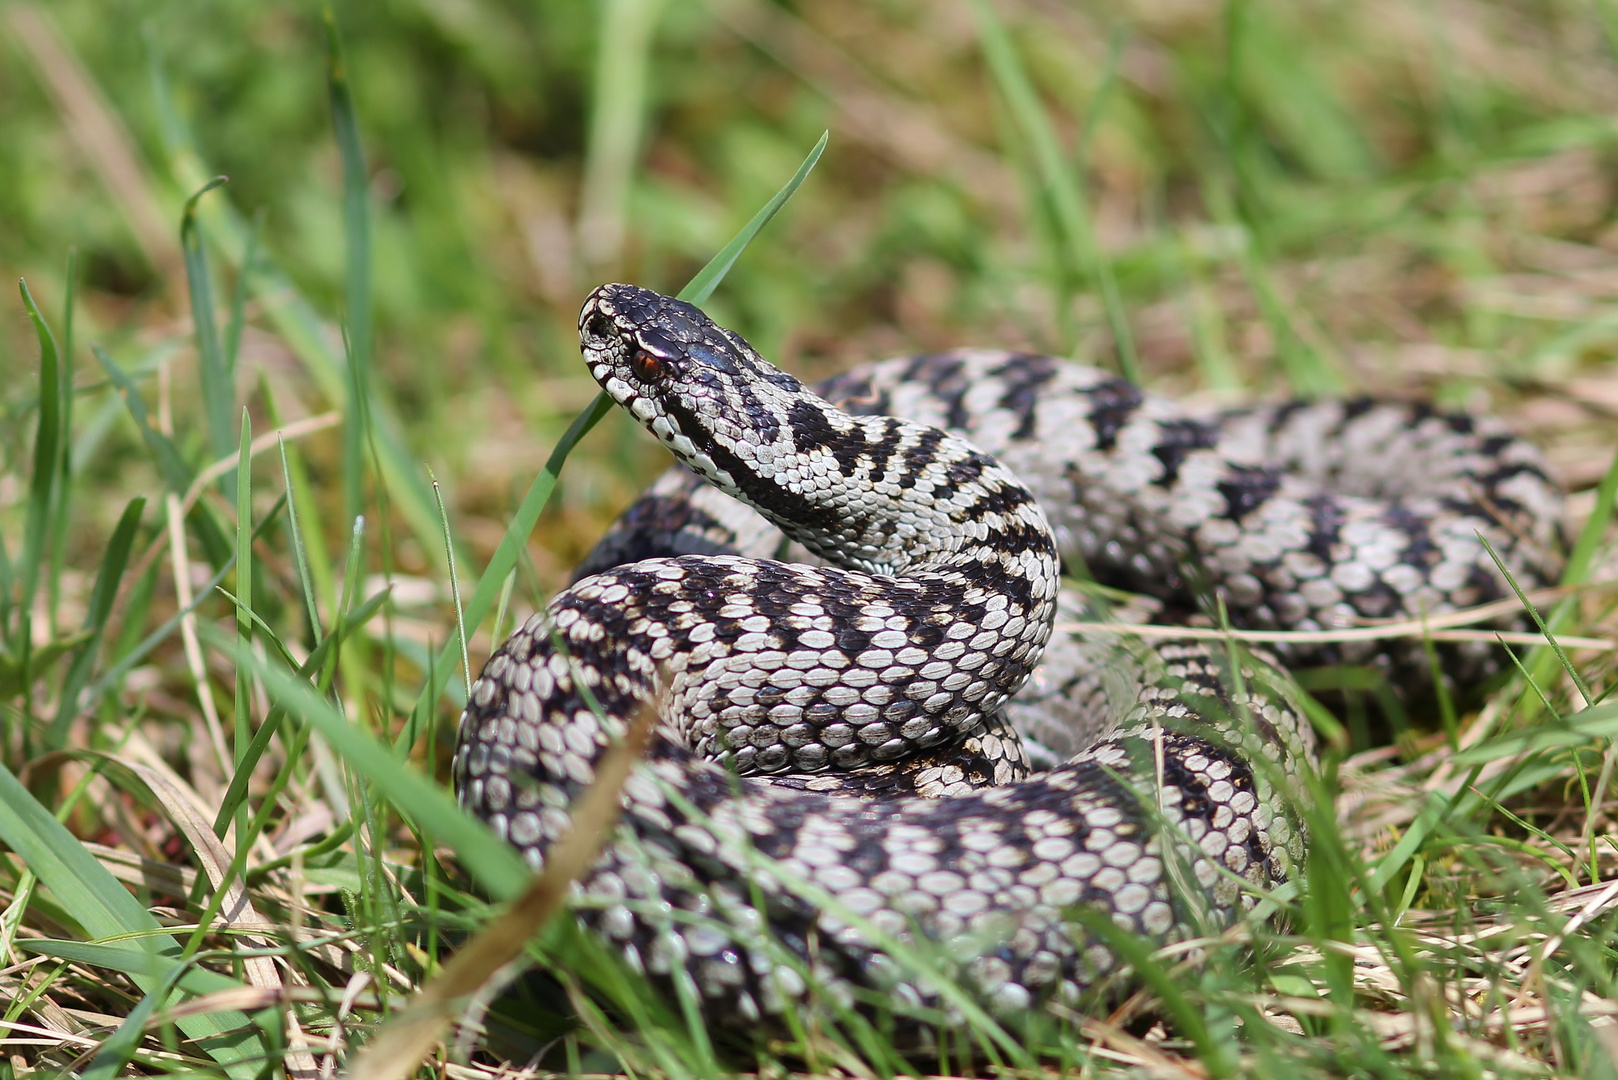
(647, 368)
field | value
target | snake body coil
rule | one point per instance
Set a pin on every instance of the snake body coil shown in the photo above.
(846, 773)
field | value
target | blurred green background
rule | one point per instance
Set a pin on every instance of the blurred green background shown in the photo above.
(1254, 195)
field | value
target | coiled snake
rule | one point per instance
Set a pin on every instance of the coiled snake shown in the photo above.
(843, 778)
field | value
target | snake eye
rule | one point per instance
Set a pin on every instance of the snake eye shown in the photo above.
(647, 368)
(598, 326)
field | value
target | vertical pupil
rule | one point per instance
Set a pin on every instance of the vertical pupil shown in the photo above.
(646, 367)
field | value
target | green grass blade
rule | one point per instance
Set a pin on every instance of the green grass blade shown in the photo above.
(218, 381)
(47, 456)
(1188, 1020)
(700, 287)
(1308, 372)
(166, 456)
(151, 641)
(1116, 41)
(356, 206)
(351, 568)
(135, 962)
(7, 591)
(119, 1048)
(300, 555)
(244, 607)
(625, 29)
(1431, 815)
(454, 585)
(1539, 622)
(1599, 722)
(64, 470)
(108, 578)
(505, 556)
(1595, 528)
(357, 265)
(105, 909)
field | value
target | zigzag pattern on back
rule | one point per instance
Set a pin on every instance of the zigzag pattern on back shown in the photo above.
(872, 722)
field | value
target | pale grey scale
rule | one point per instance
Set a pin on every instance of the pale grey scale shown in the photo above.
(1162, 808)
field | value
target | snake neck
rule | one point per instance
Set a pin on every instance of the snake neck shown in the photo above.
(884, 495)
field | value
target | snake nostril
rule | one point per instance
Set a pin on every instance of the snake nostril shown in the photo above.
(598, 327)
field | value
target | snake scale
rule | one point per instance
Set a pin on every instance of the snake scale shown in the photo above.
(866, 783)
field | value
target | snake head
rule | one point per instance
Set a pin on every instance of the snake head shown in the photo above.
(692, 383)
(874, 493)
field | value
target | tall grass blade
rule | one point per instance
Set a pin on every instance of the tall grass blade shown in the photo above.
(299, 325)
(351, 570)
(135, 962)
(64, 478)
(47, 462)
(218, 380)
(238, 295)
(300, 555)
(132, 654)
(1539, 623)
(108, 579)
(700, 287)
(119, 1048)
(244, 608)
(1595, 528)
(617, 116)
(454, 588)
(315, 664)
(357, 266)
(1597, 722)
(511, 544)
(166, 456)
